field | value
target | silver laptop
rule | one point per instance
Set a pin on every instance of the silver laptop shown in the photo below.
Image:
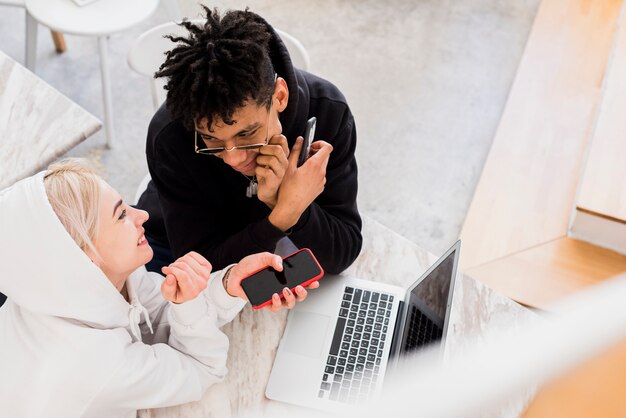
(341, 342)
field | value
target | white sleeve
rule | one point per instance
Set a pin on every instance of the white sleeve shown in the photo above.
(226, 305)
(149, 290)
(159, 375)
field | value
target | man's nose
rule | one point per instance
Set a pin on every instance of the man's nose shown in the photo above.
(235, 157)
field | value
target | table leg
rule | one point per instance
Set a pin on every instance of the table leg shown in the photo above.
(31, 42)
(59, 41)
(106, 91)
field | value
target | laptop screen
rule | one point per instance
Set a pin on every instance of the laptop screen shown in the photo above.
(427, 305)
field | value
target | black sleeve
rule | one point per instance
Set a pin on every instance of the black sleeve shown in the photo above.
(331, 226)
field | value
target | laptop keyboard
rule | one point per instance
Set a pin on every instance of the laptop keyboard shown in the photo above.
(357, 349)
(421, 331)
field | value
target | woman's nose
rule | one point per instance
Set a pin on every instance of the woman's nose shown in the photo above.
(141, 217)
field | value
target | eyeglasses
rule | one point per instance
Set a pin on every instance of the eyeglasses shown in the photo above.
(239, 144)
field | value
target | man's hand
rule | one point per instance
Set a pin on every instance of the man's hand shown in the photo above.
(254, 263)
(271, 166)
(300, 185)
(185, 278)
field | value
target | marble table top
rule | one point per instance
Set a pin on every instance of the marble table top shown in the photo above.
(38, 124)
(386, 256)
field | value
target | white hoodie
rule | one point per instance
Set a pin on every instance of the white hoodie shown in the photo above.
(70, 344)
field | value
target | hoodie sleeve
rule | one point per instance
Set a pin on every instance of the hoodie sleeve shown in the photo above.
(331, 225)
(149, 290)
(159, 375)
(226, 307)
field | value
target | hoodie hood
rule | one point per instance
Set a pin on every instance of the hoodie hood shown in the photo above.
(43, 269)
(294, 117)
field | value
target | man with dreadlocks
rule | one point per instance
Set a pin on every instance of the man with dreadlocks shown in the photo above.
(233, 93)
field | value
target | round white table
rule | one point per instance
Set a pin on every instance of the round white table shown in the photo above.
(100, 18)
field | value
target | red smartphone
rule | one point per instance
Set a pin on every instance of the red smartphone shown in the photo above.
(299, 268)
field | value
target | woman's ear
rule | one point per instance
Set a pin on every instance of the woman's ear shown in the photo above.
(281, 94)
(92, 256)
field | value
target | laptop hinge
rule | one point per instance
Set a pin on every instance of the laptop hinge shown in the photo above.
(397, 332)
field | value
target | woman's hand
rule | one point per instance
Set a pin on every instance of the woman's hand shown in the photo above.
(185, 278)
(254, 263)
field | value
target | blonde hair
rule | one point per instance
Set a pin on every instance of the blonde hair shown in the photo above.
(73, 189)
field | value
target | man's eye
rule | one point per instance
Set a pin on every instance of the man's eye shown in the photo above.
(122, 214)
(248, 134)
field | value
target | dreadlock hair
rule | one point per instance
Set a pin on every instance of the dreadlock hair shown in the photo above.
(220, 67)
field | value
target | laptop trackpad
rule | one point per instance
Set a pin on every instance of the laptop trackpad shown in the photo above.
(306, 334)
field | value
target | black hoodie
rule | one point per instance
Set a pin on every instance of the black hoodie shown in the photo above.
(197, 202)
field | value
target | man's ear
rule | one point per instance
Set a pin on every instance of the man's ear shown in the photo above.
(281, 94)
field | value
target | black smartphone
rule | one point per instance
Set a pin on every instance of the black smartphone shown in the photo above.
(309, 133)
(299, 268)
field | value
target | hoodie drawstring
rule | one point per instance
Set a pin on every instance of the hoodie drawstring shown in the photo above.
(134, 317)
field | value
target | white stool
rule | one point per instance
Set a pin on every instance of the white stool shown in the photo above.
(100, 19)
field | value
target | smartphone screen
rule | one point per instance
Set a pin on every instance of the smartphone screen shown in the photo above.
(309, 133)
(300, 268)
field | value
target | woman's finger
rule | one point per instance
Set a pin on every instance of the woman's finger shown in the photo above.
(199, 279)
(199, 258)
(276, 303)
(301, 293)
(168, 288)
(188, 288)
(290, 299)
(197, 270)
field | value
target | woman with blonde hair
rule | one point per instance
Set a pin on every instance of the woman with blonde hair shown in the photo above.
(86, 330)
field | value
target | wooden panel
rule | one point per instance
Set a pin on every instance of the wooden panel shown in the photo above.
(603, 190)
(595, 389)
(599, 230)
(527, 188)
(541, 275)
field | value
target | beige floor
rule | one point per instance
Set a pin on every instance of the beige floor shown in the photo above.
(427, 81)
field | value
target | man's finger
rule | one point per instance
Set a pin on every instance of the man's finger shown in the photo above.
(282, 141)
(263, 172)
(272, 163)
(295, 153)
(319, 144)
(272, 151)
(323, 155)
